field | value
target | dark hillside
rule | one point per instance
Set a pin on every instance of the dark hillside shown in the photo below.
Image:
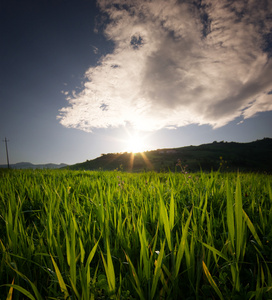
(247, 157)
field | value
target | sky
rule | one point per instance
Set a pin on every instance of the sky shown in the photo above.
(79, 78)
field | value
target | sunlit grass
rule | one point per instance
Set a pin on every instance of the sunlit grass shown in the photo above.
(101, 235)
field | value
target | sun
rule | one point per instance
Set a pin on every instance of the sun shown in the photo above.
(135, 144)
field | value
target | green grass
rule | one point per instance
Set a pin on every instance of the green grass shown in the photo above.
(114, 235)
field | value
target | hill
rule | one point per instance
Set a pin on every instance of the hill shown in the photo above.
(27, 165)
(229, 156)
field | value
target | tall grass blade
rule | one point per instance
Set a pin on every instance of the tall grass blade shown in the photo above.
(172, 212)
(82, 251)
(239, 220)
(92, 253)
(215, 251)
(252, 229)
(230, 218)
(157, 272)
(109, 269)
(20, 289)
(73, 252)
(211, 281)
(137, 284)
(165, 220)
(144, 257)
(75, 289)
(9, 297)
(60, 279)
(181, 247)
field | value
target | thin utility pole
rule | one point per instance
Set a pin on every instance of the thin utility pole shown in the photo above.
(6, 142)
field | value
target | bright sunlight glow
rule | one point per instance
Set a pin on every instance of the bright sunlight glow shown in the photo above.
(135, 144)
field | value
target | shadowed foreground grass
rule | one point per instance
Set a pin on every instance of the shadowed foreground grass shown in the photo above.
(113, 235)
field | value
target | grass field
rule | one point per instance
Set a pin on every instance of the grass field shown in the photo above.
(114, 235)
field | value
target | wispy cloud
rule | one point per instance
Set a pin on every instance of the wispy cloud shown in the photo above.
(177, 62)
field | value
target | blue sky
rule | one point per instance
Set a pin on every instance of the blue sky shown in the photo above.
(80, 78)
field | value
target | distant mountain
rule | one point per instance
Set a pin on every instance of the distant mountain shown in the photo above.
(27, 165)
(228, 156)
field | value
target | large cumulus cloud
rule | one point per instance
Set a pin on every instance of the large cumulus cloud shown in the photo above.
(175, 63)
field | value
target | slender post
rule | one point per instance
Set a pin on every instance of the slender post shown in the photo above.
(6, 142)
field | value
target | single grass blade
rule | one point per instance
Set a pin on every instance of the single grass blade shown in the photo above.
(75, 289)
(165, 220)
(109, 269)
(172, 212)
(230, 217)
(252, 229)
(9, 297)
(92, 253)
(144, 257)
(136, 279)
(20, 289)
(68, 250)
(181, 247)
(73, 251)
(157, 271)
(82, 251)
(60, 279)
(211, 281)
(215, 251)
(239, 220)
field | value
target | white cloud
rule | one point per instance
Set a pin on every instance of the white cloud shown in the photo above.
(95, 50)
(175, 63)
